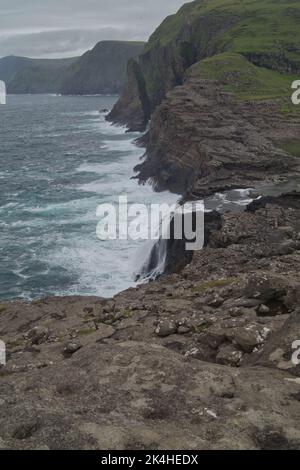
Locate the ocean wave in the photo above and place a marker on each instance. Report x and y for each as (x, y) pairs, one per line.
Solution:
(44, 225)
(121, 146)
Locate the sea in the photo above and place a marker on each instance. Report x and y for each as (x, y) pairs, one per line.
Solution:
(59, 160)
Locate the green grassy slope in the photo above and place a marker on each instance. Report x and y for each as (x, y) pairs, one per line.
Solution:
(262, 26)
(266, 32)
(246, 80)
(251, 83)
(292, 147)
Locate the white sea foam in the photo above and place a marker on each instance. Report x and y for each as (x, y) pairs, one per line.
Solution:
(121, 146)
(54, 221)
(104, 168)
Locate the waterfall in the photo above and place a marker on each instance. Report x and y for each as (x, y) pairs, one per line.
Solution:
(163, 255)
(168, 253)
(155, 259)
(154, 253)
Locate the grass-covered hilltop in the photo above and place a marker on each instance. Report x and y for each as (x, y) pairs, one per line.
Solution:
(252, 45)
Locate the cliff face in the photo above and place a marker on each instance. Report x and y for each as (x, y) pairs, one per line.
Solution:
(203, 139)
(37, 79)
(10, 65)
(255, 29)
(161, 67)
(133, 105)
(24, 75)
(200, 359)
(101, 70)
(215, 79)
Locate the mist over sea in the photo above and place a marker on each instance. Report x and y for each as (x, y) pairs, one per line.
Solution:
(60, 159)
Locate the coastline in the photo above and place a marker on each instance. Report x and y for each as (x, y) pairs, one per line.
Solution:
(180, 361)
(129, 341)
(195, 348)
(171, 362)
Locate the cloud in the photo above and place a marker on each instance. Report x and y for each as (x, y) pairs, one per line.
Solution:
(56, 28)
(59, 43)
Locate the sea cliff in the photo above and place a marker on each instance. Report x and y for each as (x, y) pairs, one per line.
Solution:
(203, 357)
(101, 70)
(214, 92)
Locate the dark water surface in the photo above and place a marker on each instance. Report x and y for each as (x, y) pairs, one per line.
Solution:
(59, 159)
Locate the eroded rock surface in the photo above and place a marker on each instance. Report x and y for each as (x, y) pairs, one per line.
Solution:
(201, 359)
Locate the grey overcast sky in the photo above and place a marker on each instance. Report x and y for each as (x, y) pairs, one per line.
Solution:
(65, 28)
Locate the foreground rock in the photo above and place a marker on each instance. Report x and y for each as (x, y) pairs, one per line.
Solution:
(196, 360)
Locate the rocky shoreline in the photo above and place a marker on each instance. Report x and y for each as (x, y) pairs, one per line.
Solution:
(199, 359)
(205, 356)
